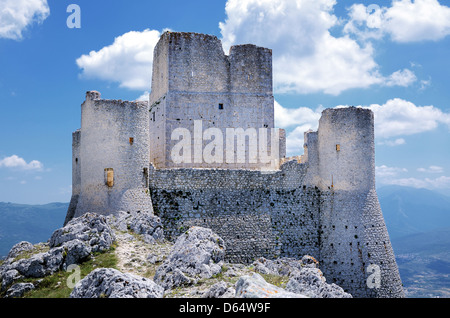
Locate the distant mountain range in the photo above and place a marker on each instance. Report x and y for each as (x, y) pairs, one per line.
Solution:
(409, 211)
(418, 222)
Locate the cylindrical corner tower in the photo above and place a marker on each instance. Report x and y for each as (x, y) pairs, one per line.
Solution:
(355, 250)
(114, 150)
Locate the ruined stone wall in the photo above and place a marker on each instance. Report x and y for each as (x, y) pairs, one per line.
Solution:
(257, 214)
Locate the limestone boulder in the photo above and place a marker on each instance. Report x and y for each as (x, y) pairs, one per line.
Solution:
(312, 283)
(219, 290)
(111, 283)
(198, 253)
(90, 228)
(18, 290)
(255, 286)
(144, 223)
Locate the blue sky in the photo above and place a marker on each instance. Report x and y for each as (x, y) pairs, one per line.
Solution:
(390, 56)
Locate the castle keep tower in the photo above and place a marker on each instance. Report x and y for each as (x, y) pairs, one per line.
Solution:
(196, 86)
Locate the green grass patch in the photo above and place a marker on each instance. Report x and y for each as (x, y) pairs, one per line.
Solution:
(56, 285)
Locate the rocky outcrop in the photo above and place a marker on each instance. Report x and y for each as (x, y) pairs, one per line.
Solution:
(255, 286)
(19, 289)
(305, 277)
(92, 229)
(312, 283)
(198, 253)
(140, 222)
(111, 283)
(72, 244)
(220, 290)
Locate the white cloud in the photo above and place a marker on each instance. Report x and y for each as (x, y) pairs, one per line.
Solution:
(128, 61)
(393, 143)
(285, 117)
(442, 182)
(431, 169)
(17, 15)
(393, 176)
(144, 96)
(402, 78)
(15, 161)
(306, 57)
(295, 140)
(398, 117)
(385, 171)
(405, 21)
(395, 118)
(300, 120)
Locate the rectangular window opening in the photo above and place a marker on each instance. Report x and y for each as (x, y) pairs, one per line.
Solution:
(220, 106)
(109, 177)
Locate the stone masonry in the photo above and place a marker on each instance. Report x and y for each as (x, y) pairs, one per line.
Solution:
(321, 204)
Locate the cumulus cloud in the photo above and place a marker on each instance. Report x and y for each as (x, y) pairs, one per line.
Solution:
(396, 176)
(307, 58)
(431, 169)
(299, 120)
(127, 61)
(442, 182)
(395, 118)
(402, 78)
(404, 21)
(398, 117)
(17, 15)
(385, 171)
(17, 162)
(286, 117)
(393, 143)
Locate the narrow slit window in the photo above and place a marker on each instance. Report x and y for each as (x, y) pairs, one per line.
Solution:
(145, 172)
(338, 147)
(131, 140)
(220, 106)
(153, 116)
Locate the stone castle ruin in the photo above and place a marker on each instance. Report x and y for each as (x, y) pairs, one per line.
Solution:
(322, 204)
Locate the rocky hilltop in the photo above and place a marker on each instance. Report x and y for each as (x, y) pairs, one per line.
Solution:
(125, 255)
